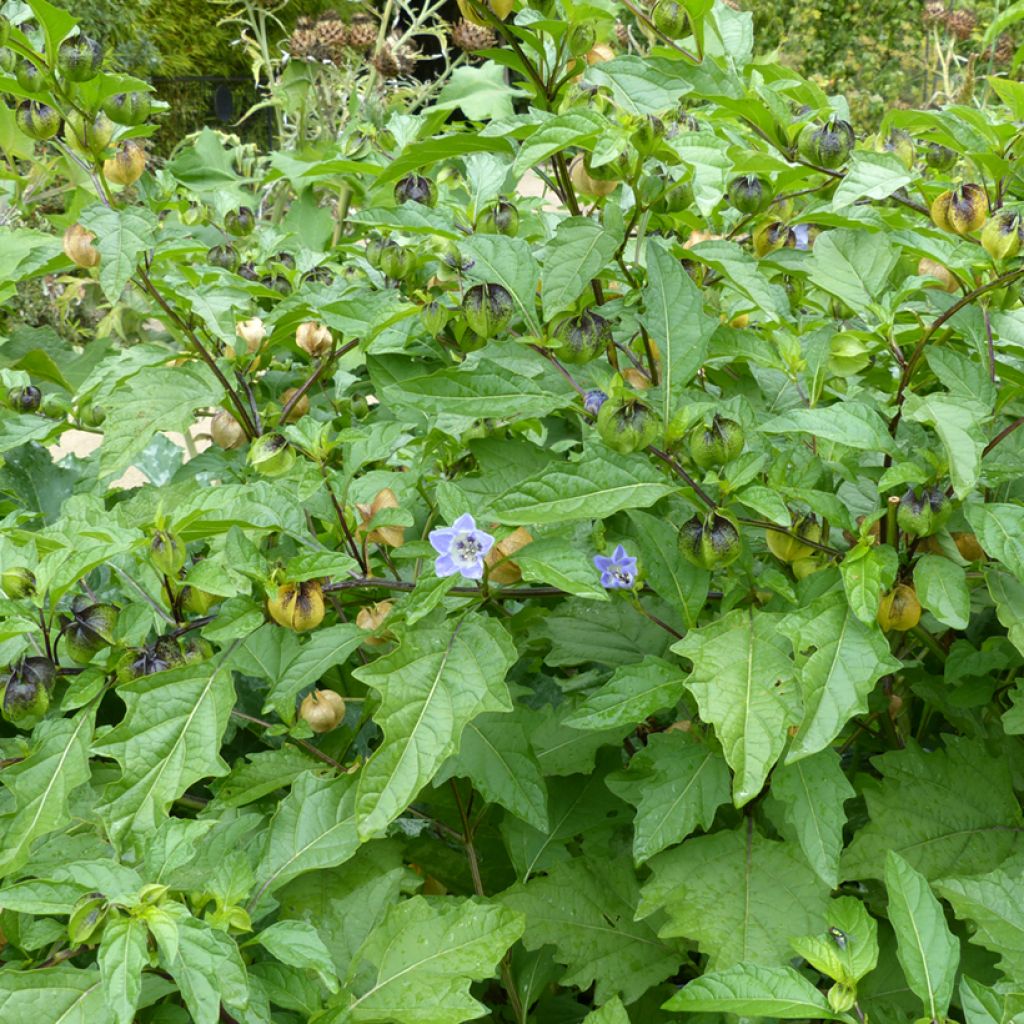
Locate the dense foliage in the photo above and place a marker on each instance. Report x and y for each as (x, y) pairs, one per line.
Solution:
(603, 597)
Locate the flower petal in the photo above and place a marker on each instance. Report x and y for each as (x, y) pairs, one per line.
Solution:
(465, 523)
(485, 540)
(619, 554)
(473, 572)
(444, 566)
(602, 563)
(441, 540)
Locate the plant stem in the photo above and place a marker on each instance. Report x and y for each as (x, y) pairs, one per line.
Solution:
(308, 747)
(343, 522)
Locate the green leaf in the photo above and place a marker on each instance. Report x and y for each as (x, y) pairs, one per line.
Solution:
(42, 784)
(481, 93)
(744, 684)
(168, 739)
(634, 692)
(840, 660)
(579, 251)
(1008, 594)
(958, 422)
(122, 235)
(55, 22)
(585, 908)
(813, 792)
(417, 965)
(753, 991)
(848, 423)
(867, 572)
(676, 783)
(853, 265)
(431, 687)
(927, 950)
(849, 949)
(510, 263)
(576, 127)
(297, 944)
(496, 756)
(60, 994)
(742, 271)
(739, 896)
(440, 147)
(156, 398)
(942, 589)
(1000, 531)
(122, 957)
(675, 318)
(641, 85)
(871, 175)
(944, 811)
(598, 485)
(613, 1012)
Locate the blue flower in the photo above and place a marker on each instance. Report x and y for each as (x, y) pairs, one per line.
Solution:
(617, 572)
(593, 400)
(461, 548)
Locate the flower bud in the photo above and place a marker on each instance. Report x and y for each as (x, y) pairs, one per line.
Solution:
(582, 38)
(79, 58)
(709, 542)
(583, 182)
(593, 400)
(167, 553)
(87, 917)
(924, 514)
(88, 133)
(239, 222)
(322, 710)
(90, 629)
(938, 157)
(582, 338)
(78, 247)
(271, 455)
(788, 548)
(487, 309)
(716, 445)
(125, 167)
(299, 409)
(38, 120)
(17, 582)
(371, 618)
(962, 209)
(750, 193)
(298, 606)
(1002, 235)
(433, 316)
(314, 339)
(414, 188)
(899, 609)
(226, 431)
(25, 399)
(127, 108)
(827, 145)
(627, 425)
(900, 144)
(252, 332)
(670, 19)
(500, 218)
(841, 998)
(27, 693)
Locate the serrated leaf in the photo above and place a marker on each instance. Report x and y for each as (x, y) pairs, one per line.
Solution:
(676, 783)
(572, 128)
(942, 589)
(751, 990)
(613, 1012)
(927, 950)
(871, 175)
(169, 738)
(297, 944)
(1000, 531)
(417, 965)
(848, 423)
(122, 957)
(641, 85)
(585, 908)
(122, 235)
(744, 684)
(579, 251)
(849, 949)
(867, 572)
(634, 692)
(61, 994)
(431, 687)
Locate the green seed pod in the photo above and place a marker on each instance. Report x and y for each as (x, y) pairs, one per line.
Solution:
(25, 399)
(715, 445)
(768, 238)
(827, 145)
(1002, 235)
(710, 542)
(675, 198)
(627, 424)
(487, 309)
(582, 37)
(90, 629)
(750, 193)
(271, 455)
(582, 338)
(670, 19)
(900, 144)
(79, 58)
(415, 188)
(167, 553)
(195, 649)
(38, 121)
(841, 998)
(8, 59)
(374, 249)
(648, 135)
(298, 606)
(433, 316)
(89, 134)
(224, 256)
(16, 582)
(27, 693)
(899, 609)
(277, 283)
(962, 209)
(788, 548)
(921, 515)
(91, 415)
(196, 601)
(240, 222)
(31, 77)
(939, 157)
(500, 218)
(160, 656)
(396, 261)
(87, 917)
(127, 108)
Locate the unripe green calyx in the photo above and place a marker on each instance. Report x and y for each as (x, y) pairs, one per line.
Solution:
(789, 547)
(900, 144)
(167, 553)
(500, 218)
(239, 222)
(79, 58)
(709, 542)
(87, 917)
(415, 188)
(433, 316)
(962, 209)
(38, 121)
(925, 513)
(396, 261)
(89, 133)
(8, 59)
(127, 108)
(271, 455)
(224, 256)
(671, 19)
(627, 424)
(1002, 235)
(90, 629)
(16, 582)
(939, 157)
(27, 692)
(750, 193)
(25, 399)
(715, 445)
(827, 145)
(582, 338)
(30, 76)
(487, 308)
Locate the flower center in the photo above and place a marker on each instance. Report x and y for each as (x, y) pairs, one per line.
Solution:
(622, 575)
(466, 549)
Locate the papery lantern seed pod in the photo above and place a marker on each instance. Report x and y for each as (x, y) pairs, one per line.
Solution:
(487, 308)
(827, 145)
(314, 339)
(322, 710)
(226, 431)
(17, 582)
(709, 542)
(415, 188)
(925, 513)
(127, 108)
(962, 209)
(79, 58)
(298, 606)
(789, 548)
(627, 424)
(750, 193)
(371, 618)
(1002, 235)
(78, 247)
(899, 609)
(25, 399)
(716, 444)
(127, 164)
(582, 338)
(271, 455)
(939, 157)
(38, 121)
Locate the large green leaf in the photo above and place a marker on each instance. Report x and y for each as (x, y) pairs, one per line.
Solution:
(853, 424)
(122, 957)
(634, 691)
(744, 682)
(959, 422)
(122, 235)
(510, 263)
(63, 995)
(436, 682)
(853, 265)
(579, 251)
(1000, 531)
(572, 128)
(942, 589)
(871, 175)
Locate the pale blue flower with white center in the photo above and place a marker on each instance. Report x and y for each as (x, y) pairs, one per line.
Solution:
(461, 548)
(617, 572)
